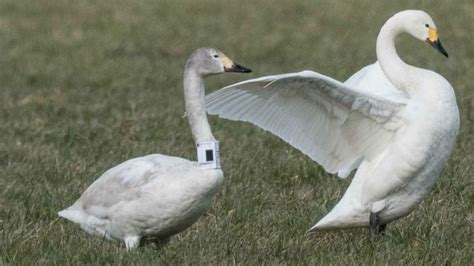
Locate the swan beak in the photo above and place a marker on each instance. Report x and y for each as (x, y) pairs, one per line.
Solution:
(237, 68)
(230, 66)
(437, 45)
(434, 41)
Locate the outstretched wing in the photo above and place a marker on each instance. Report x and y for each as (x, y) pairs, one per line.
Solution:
(335, 125)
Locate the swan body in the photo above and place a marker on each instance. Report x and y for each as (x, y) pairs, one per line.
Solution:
(124, 202)
(156, 196)
(395, 123)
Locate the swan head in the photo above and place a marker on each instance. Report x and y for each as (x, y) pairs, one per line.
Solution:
(421, 26)
(209, 61)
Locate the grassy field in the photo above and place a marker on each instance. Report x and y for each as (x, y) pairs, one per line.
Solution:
(85, 85)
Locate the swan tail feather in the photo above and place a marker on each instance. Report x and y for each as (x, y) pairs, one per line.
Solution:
(341, 220)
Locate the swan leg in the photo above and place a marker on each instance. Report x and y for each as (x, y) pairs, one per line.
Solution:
(165, 241)
(161, 242)
(157, 242)
(375, 227)
(132, 242)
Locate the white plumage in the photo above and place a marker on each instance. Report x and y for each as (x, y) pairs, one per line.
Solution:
(394, 122)
(331, 123)
(156, 196)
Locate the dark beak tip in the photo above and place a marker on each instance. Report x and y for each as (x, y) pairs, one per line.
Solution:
(444, 53)
(239, 69)
(437, 45)
(442, 50)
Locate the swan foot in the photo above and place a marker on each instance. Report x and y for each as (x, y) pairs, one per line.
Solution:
(165, 241)
(158, 243)
(375, 227)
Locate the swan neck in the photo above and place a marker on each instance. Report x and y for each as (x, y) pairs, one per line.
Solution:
(194, 91)
(396, 70)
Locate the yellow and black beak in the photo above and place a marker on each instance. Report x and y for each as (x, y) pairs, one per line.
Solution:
(434, 41)
(230, 66)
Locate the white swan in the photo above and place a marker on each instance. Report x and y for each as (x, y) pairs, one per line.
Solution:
(398, 136)
(157, 195)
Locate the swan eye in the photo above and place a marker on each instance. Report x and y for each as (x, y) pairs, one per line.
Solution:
(216, 56)
(426, 25)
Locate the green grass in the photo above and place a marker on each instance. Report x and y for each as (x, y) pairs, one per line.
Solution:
(85, 85)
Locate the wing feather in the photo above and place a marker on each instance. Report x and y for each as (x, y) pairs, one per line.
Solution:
(334, 124)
